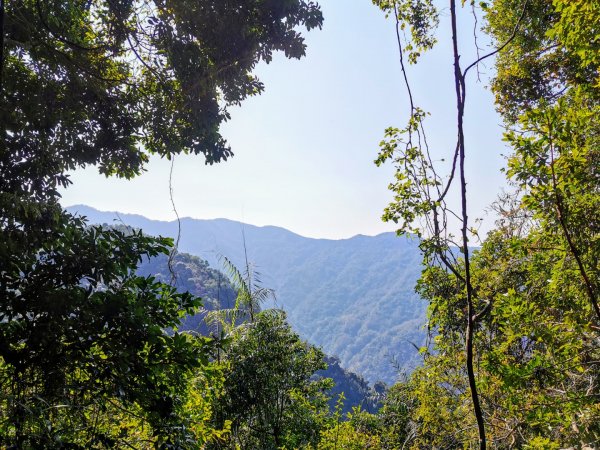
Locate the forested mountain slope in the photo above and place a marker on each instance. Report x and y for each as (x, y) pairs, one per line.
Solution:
(193, 274)
(353, 297)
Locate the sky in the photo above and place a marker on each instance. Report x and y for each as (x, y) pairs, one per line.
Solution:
(304, 149)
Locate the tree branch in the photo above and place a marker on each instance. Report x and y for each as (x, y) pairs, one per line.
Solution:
(459, 81)
(560, 213)
(503, 46)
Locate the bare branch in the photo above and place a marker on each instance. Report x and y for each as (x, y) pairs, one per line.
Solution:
(503, 46)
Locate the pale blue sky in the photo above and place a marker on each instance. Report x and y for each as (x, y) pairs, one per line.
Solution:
(304, 149)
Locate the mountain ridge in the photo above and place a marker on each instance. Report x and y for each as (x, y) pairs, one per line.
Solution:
(353, 297)
(90, 209)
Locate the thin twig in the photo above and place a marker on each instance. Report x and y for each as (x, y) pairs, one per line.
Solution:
(401, 53)
(176, 245)
(477, 48)
(503, 46)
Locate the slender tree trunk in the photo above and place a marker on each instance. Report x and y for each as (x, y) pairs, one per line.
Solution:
(560, 213)
(1, 47)
(460, 103)
(575, 251)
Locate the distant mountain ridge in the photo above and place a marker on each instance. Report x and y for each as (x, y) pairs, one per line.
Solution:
(353, 297)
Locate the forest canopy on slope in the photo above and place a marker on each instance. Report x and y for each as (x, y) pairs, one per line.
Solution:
(353, 297)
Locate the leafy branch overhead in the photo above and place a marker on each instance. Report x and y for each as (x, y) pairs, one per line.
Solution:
(106, 83)
(90, 354)
(505, 315)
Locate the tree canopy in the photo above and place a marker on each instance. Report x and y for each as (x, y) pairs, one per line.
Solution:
(86, 345)
(514, 362)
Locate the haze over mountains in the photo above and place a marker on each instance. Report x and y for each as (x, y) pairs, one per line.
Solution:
(353, 297)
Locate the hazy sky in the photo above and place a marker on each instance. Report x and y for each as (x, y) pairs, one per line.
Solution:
(304, 149)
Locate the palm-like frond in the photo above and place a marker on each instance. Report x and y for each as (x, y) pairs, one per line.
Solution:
(250, 296)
